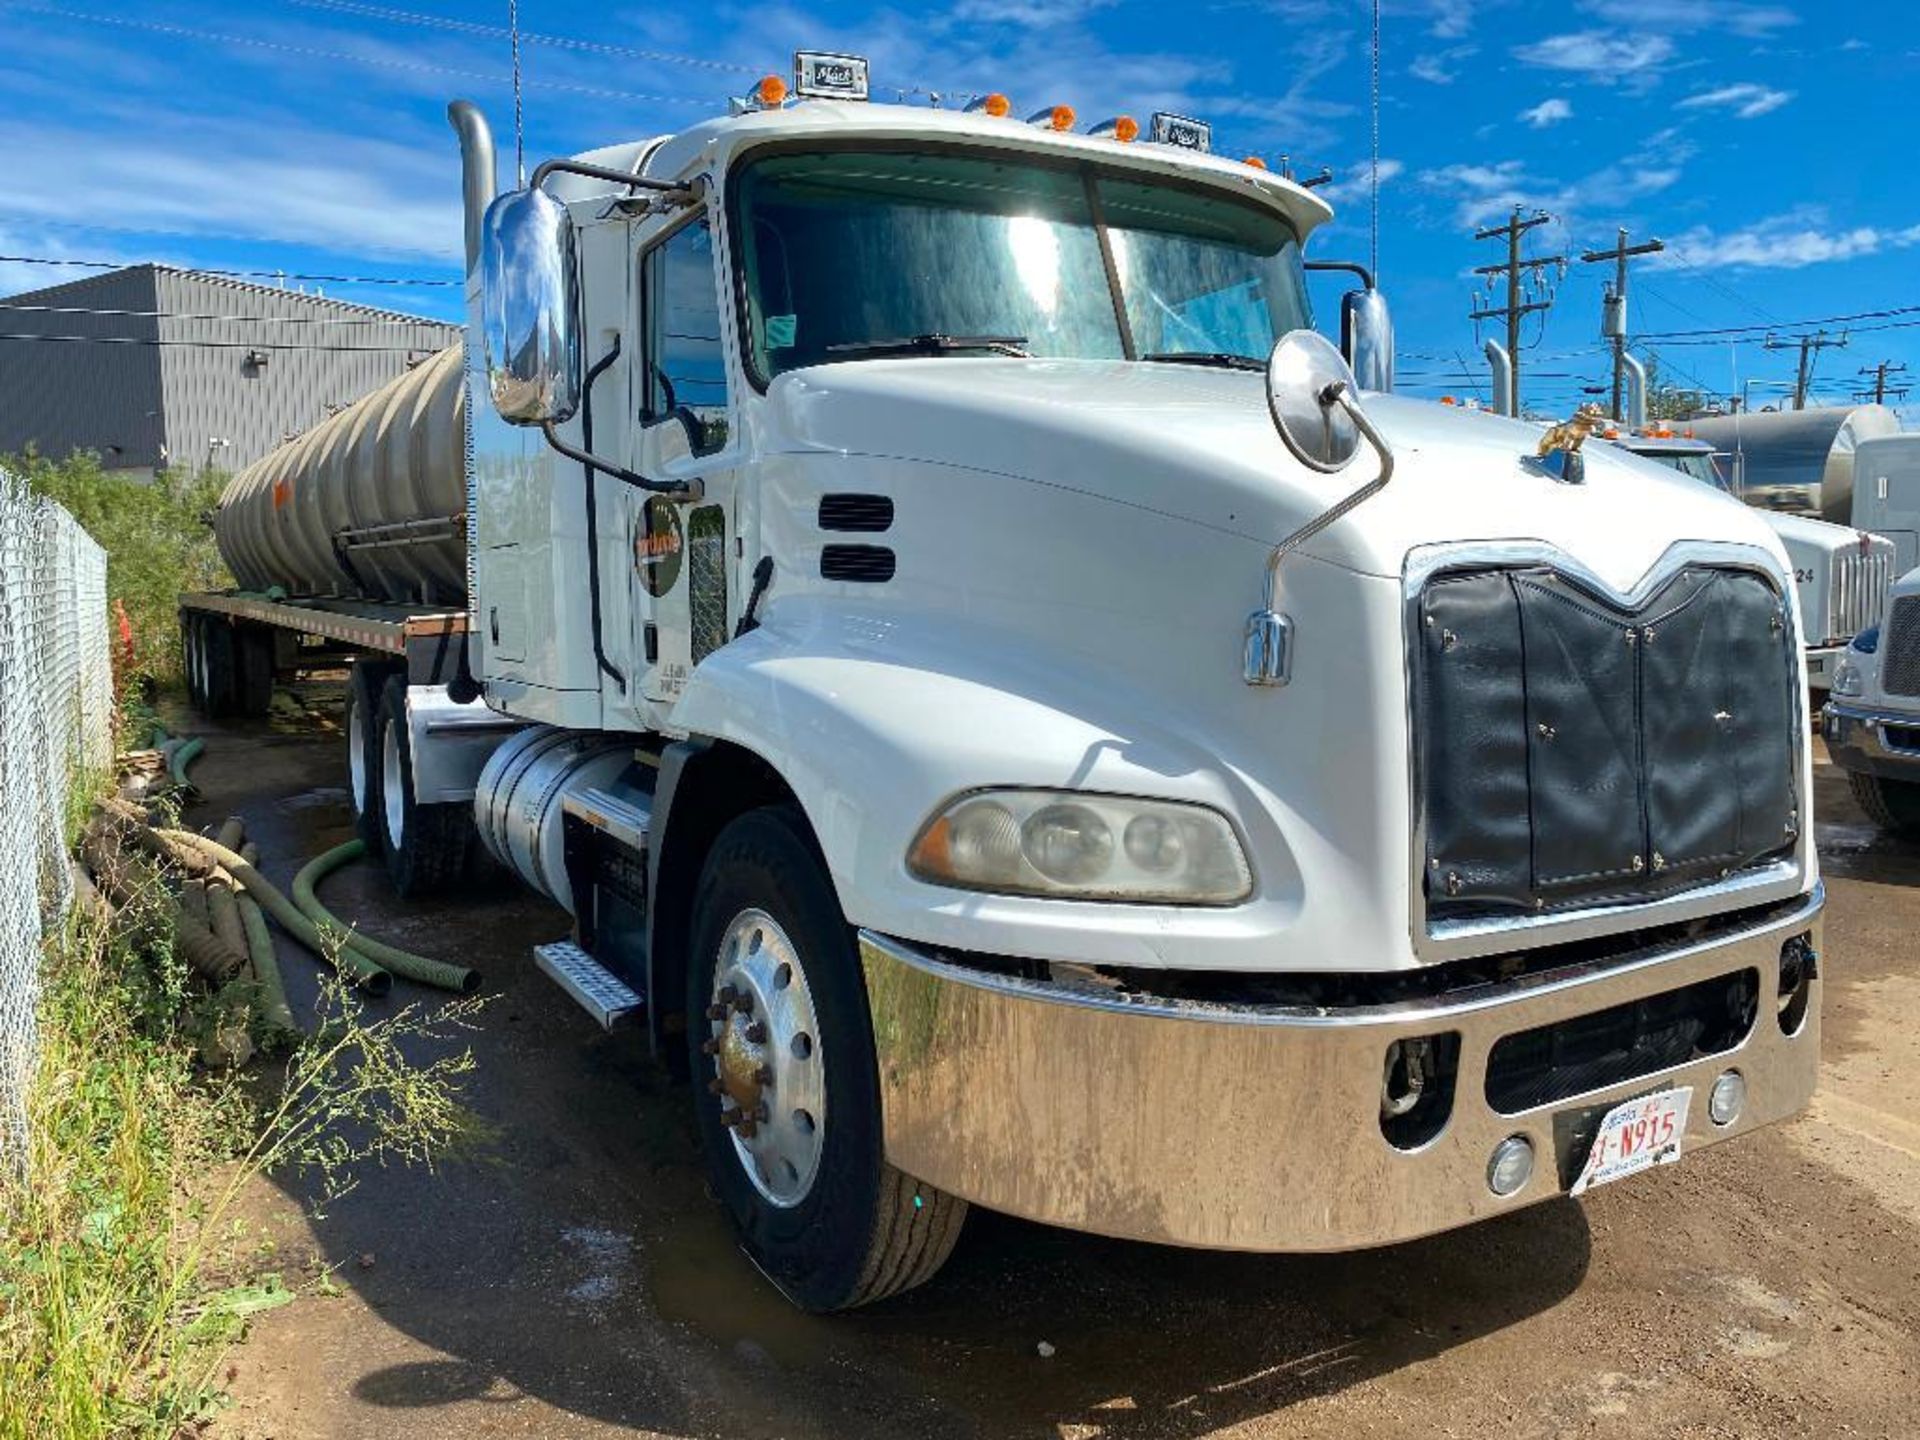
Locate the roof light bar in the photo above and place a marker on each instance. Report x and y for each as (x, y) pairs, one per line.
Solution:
(1181, 131)
(822, 75)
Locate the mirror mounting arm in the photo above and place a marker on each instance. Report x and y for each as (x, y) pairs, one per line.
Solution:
(665, 488)
(688, 191)
(1268, 650)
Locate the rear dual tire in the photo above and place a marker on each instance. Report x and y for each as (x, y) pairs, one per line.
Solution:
(427, 849)
(229, 666)
(1891, 804)
(830, 1221)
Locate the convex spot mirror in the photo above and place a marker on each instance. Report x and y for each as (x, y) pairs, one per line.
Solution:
(1306, 381)
(529, 308)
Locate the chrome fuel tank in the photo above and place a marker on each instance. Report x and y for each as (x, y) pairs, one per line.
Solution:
(369, 503)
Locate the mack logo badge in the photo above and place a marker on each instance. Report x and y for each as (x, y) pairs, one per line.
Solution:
(657, 547)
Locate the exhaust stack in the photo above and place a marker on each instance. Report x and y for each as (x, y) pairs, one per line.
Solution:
(479, 179)
(1634, 391)
(1502, 364)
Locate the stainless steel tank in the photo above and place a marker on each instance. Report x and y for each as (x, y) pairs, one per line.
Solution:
(369, 503)
(1799, 461)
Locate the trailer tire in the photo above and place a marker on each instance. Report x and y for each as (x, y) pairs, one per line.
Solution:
(253, 686)
(857, 1230)
(219, 668)
(1891, 804)
(361, 723)
(192, 662)
(426, 846)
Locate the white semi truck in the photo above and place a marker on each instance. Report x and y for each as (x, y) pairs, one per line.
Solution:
(1022, 721)
(1843, 575)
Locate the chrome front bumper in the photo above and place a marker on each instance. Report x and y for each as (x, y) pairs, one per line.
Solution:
(1258, 1128)
(1858, 740)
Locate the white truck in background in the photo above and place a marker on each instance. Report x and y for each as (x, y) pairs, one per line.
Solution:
(1843, 575)
(1023, 721)
(1872, 720)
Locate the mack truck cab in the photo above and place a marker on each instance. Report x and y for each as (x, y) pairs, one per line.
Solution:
(1023, 721)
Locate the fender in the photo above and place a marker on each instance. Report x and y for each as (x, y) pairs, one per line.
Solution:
(840, 704)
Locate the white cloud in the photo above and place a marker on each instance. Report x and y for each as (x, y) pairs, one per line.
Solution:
(1452, 18)
(1550, 111)
(1750, 18)
(1788, 242)
(1599, 55)
(1440, 67)
(1745, 99)
(1033, 14)
(1356, 182)
(336, 192)
(1486, 192)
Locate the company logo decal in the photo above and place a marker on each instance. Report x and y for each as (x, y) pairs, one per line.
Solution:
(658, 547)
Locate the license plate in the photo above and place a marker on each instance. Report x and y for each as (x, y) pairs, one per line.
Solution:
(1636, 1135)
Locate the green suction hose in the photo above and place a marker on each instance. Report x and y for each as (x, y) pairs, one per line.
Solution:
(400, 962)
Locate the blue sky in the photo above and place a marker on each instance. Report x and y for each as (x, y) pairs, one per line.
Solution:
(1769, 142)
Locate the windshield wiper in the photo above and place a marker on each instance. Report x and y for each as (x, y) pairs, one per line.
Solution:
(935, 343)
(1220, 359)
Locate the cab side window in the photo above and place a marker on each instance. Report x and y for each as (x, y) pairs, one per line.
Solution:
(686, 375)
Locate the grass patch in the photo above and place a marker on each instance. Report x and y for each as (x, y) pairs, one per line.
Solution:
(119, 1292)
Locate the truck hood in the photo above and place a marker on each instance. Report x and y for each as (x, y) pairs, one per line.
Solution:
(1198, 445)
(1802, 536)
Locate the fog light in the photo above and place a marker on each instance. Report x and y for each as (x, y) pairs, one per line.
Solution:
(1511, 1166)
(1727, 1098)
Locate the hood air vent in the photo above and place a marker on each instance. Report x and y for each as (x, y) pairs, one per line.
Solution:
(871, 564)
(864, 514)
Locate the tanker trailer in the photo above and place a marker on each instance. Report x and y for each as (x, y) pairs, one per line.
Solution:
(348, 544)
(1797, 461)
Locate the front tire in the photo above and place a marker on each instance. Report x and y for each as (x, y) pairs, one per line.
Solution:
(1891, 804)
(786, 1091)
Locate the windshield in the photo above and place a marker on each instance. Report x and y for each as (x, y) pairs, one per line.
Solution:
(850, 253)
(1694, 464)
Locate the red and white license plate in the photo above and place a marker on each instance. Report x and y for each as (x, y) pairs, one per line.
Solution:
(1636, 1135)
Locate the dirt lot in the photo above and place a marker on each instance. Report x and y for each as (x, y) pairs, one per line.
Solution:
(573, 1279)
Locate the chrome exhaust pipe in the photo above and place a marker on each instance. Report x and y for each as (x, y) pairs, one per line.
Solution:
(479, 179)
(1634, 398)
(1502, 364)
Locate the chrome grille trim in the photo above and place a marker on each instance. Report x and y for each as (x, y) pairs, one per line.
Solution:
(1857, 589)
(1900, 643)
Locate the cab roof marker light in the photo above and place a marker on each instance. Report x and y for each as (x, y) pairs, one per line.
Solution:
(1055, 117)
(1255, 162)
(1123, 128)
(769, 93)
(996, 105)
(823, 75)
(1181, 131)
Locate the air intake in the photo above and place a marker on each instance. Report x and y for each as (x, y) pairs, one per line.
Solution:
(869, 564)
(863, 514)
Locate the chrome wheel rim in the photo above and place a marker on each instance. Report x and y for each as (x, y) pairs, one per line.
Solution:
(357, 756)
(393, 788)
(764, 1047)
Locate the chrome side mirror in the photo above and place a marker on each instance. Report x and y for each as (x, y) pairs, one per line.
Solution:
(1310, 395)
(529, 307)
(1366, 335)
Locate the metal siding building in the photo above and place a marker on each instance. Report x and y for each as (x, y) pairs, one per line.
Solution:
(204, 360)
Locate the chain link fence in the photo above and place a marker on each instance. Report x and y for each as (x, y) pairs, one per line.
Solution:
(56, 723)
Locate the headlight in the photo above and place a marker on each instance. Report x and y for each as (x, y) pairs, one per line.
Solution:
(1846, 677)
(1083, 847)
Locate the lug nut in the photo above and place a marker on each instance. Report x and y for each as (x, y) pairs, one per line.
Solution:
(757, 1032)
(763, 1076)
(743, 1003)
(727, 994)
(709, 1047)
(716, 1012)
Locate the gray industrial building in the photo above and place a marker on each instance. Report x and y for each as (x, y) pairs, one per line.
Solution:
(153, 366)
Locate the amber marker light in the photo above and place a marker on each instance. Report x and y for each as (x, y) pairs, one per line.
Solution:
(996, 105)
(1058, 117)
(1255, 161)
(771, 92)
(1126, 129)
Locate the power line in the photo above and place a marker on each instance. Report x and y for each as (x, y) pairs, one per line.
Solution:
(231, 274)
(1514, 268)
(1885, 314)
(309, 52)
(1613, 307)
(474, 27)
(1810, 346)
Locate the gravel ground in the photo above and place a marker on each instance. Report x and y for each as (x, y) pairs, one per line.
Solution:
(572, 1278)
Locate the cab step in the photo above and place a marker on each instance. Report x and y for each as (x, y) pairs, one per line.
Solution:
(594, 988)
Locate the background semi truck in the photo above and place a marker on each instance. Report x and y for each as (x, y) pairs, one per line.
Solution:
(1021, 720)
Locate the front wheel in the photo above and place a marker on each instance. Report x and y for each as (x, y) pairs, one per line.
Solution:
(786, 1092)
(1891, 804)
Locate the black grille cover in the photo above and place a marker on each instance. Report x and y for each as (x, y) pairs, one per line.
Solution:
(872, 564)
(1577, 753)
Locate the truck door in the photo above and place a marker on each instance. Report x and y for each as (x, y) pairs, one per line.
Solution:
(684, 567)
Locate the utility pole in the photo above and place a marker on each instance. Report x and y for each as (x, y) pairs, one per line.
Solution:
(1613, 311)
(1809, 345)
(1880, 373)
(1515, 269)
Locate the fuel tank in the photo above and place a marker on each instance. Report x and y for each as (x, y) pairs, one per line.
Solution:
(370, 503)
